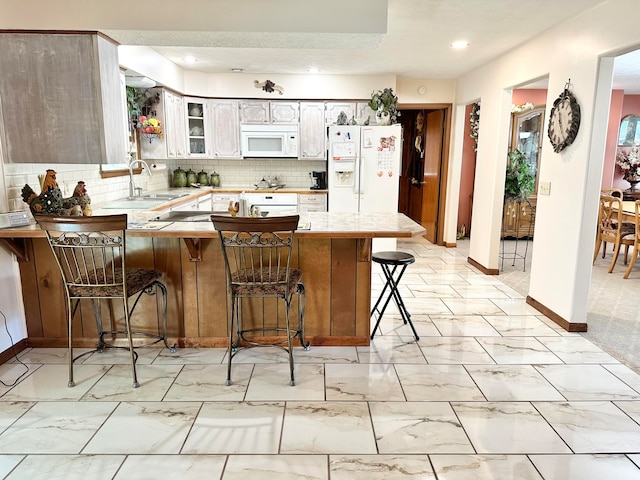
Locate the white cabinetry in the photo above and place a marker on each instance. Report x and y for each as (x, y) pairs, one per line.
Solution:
(220, 201)
(256, 111)
(363, 112)
(197, 127)
(268, 111)
(284, 112)
(313, 132)
(335, 108)
(312, 202)
(174, 125)
(225, 126)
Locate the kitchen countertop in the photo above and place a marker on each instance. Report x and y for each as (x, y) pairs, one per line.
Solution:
(252, 190)
(322, 224)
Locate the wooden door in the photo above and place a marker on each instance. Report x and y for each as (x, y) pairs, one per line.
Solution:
(433, 145)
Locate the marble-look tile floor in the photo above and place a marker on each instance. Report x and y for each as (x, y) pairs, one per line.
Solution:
(492, 390)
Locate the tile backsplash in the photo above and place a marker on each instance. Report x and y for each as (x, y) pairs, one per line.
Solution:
(244, 173)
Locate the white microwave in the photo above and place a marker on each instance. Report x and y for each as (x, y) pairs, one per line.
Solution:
(269, 141)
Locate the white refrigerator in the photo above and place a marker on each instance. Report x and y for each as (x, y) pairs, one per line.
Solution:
(363, 171)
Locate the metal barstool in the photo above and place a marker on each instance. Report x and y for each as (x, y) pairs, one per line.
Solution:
(387, 260)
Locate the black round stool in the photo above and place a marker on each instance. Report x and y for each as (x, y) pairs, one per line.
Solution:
(386, 261)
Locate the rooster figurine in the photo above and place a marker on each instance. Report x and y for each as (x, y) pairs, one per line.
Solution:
(50, 199)
(79, 203)
(234, 208)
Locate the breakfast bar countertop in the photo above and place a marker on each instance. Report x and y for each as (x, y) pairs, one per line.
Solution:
(322, 224)
(144, 222)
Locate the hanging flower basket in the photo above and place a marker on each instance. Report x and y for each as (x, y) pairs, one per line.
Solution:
(149, 128)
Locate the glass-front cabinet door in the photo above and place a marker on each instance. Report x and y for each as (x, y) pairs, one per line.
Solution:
(196, 125)
(526, 135)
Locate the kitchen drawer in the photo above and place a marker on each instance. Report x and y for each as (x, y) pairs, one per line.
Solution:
(315, 198)
(224, 198)
(306, 207)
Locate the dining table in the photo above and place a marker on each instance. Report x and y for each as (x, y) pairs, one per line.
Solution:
(629, 211)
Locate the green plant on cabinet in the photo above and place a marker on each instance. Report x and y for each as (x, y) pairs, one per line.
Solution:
(520, 176)
(385, 101)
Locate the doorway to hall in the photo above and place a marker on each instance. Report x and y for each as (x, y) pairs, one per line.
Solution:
(426, 132)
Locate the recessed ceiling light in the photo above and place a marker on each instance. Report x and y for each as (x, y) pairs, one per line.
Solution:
(190, 59)
(237, 70)
(459, 44)
(313, 69)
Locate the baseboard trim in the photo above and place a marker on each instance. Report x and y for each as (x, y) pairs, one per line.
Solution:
(450, 245)
(10, 352)
(566, 324)
(482, 268)
(205, 342)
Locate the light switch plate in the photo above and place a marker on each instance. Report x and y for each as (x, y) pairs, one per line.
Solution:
(544, 188)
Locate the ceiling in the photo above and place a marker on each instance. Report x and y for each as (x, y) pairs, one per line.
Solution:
(350, 37)
(416, 42)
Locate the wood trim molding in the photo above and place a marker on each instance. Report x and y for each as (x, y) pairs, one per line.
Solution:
(10, 352)
(566, 324)
(482, 268)
(450, 245)
(196, 342)
(364, 249)
(193, 245)
(17, 246)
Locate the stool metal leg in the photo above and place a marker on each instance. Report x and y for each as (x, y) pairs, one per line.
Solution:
(392, 283)
(389, 277)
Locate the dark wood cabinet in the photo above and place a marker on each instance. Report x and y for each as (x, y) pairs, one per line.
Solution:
(518, 218)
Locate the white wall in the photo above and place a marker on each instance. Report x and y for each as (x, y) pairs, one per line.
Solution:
(565, 223)
(10, 287)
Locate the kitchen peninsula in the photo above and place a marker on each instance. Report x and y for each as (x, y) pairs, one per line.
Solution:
(334, 255)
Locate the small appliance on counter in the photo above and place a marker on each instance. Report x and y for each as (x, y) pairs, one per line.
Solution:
(318, 180)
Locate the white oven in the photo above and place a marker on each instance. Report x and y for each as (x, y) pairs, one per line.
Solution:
(272, 204)
(269, 140)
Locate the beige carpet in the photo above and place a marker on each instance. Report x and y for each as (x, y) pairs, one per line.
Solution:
(613, 315)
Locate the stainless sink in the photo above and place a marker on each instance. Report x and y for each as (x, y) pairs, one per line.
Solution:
(163, 196)
(145, 201)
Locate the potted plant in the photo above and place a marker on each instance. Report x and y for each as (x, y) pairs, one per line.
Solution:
(140, 102)
(520, 176)
(385, 104)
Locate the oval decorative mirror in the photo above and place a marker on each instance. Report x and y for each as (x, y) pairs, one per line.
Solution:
(629, 134)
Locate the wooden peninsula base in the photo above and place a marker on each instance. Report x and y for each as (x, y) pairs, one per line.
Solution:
(336, 265)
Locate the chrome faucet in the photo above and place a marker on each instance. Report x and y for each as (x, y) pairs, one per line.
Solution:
(132, 183)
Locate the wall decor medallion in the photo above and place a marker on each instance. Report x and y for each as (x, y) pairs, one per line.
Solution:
(564, 120)
(268, 86)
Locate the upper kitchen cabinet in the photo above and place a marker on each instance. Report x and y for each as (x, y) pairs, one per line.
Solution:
(175, 125)
(284, 112)
(62, 99)
(198, 136)
(334, 109)
(225, 128)
(268, 112)
(313, 131)
(365, 113)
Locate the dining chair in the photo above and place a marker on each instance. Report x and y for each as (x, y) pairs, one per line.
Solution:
(628, 227)
(610, 229)
(90, 253)
(636, 241)
(257, 256)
